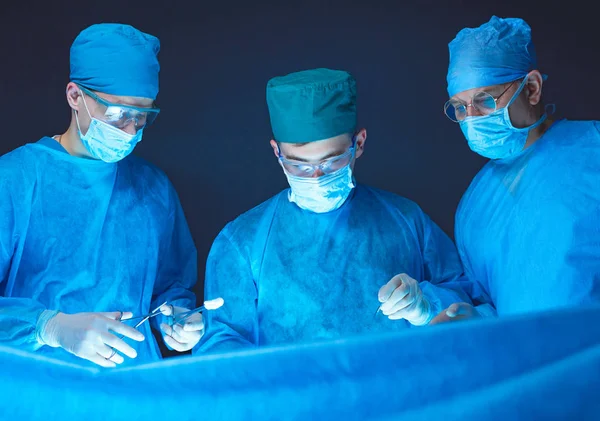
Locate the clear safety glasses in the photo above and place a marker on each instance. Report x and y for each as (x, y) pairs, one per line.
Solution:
(121, 115)
(327, 166)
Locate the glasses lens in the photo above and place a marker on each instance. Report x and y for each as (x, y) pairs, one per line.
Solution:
(337, 162)
(455, 111)
(121, 117)
(297, 169)
(484, 103)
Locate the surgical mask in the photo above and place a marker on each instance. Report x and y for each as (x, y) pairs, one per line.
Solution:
(107, 142)
(321, 194)
(494, 136)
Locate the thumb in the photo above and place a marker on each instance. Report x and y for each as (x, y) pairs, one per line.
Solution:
(455, 310)
(386, 291)
(167, 309)
(118, 315)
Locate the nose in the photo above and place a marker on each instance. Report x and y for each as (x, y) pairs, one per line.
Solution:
(130, 128)
(472, 111)
(318, 173)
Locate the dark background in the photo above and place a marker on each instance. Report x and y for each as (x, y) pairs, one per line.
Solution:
(212, 135)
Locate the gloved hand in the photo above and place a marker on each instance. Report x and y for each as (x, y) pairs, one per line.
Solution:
(185, 335)
(455, 313)
(89, 336)
(402, 298)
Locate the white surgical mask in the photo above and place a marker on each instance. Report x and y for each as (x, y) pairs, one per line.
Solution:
(321, 194)
(107, 142)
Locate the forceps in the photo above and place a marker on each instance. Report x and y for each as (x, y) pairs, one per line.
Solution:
(208, 305)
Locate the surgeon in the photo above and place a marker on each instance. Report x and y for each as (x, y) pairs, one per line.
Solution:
(319, 259)
(528, 227)
(89, 234)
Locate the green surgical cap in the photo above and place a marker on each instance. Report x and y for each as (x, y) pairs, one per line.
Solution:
(312, 105)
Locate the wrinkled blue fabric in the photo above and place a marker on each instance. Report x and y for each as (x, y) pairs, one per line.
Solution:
(81, 235)
(116, 59)
(499, 51)
(535, 367)
(289, 275)
(528, 227)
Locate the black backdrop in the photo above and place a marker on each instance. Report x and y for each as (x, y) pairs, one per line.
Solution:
(212, 135)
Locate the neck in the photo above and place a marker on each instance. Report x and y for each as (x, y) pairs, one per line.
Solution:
(536, 133)
(71, 141)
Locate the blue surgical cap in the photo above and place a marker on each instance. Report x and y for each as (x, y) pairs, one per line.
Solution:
(116, 59)
(312, 105)
(497, 52)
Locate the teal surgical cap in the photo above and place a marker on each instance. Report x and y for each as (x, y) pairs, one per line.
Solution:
(312, 105)
(497, 52)
(116, 59)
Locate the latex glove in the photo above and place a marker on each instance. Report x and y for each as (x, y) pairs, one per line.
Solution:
(90, 336)
(402, 298)
(455, 313)
(185, 335)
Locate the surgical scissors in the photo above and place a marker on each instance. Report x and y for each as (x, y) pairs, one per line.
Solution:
(153, 313)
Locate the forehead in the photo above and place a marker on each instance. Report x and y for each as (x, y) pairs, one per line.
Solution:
(468, 94)
(319, 149)
(127, 100)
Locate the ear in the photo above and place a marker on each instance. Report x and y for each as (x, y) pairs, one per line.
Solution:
(533, 88)
(73, 96)
(361, 138)
(275, 148)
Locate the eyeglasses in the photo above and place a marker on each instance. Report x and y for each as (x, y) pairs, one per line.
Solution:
(483, 102)
(121, 115)
(327, 166)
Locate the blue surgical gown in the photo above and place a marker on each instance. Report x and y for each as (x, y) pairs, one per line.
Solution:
(528, 227)
(80, 235)
(290, 275)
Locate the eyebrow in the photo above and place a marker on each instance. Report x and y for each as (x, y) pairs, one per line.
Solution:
(121, 102)
(329, 155)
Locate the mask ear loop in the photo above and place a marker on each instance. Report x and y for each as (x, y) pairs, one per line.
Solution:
(550, 109)
(77, 112)
(518, 92)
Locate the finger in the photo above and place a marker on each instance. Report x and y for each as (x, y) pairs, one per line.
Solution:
(97, 359)
(388, 289)
(403, 304)
(105, 351)
(398, 294)
(402, 314)
(173, 331)
(125, 330)
(408, 300)
(186, 337)
(117, 358)
(453, 310)
(166, 309)
(177, 346)
(110, 354)
(194, 323)
(440, 318)
(119, 344)
(118, 315)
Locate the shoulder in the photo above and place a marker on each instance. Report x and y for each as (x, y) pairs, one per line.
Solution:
(244, 227)
(389, 200)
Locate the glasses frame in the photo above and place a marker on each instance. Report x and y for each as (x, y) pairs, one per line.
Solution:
(448, 103)
(323, 165)
(102, 101)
